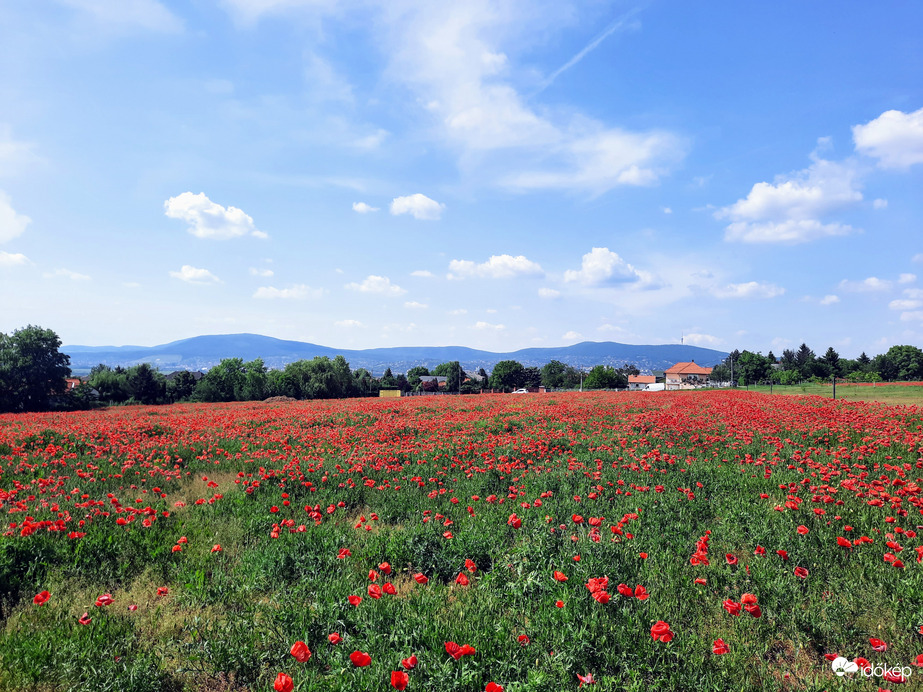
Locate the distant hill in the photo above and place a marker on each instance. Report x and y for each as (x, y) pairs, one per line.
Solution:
(202, 352)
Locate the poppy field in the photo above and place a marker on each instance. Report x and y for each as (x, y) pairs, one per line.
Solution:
(719, 540)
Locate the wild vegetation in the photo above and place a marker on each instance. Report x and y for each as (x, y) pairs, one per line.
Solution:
(719, 540)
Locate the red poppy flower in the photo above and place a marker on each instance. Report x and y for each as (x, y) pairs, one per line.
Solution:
(641, 593)
(586, 679)
(360, 659)
(560, 576)
(162, 590)
(878, 645)
(104, 600)
(643, 556)
(760, 550)
(373, 575)
(625, 590)
(514, 521)
(470, 566)
(456, 651)
(753, 609)
(176, 549)
(559, 604)
(334, 638)
(525, 641)
(374, 591)
(660, 631)
(389, 589)
(385, 567)
(343, 554)
(783, 554)
(399, 679)
(843, 542)
(730, 559)
(462, 579)
(862, 662)
(700, 580)
(420, 578)
(40, 598)
(801, 572)
(718, 647)
(301, 652)
(493, 687)
(894, 675)
(85, 619)
(354, 600)
(803, 530)
(919, 661)
(732, 607)
(283, 683)
(409, 663)
(748, 599)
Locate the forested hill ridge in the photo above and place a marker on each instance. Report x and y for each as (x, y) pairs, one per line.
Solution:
(202, 352)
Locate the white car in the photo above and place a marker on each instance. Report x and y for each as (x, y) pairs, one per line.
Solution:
(520, 391)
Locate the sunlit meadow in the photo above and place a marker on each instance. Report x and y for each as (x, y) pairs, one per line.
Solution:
(611, 541)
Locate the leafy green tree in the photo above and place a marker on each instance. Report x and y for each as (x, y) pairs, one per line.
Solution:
(553, 374)
(256, 381)
(145, 385)
(788, 360)
(180, 386)
(531, 378)
(752, 368)
(223, 382)
(366, 385)
(400, 381)
(112, 385)
(453, 373)
(414, 374)
(507, 374)
(388, 381)
(904, 363)
(32, 370)
(605, 377)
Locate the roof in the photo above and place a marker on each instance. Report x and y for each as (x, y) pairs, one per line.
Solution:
(641, 379)
(688, 369)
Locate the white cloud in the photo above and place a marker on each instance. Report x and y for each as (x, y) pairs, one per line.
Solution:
(418, 206)
(602, 266)
(872, 283)
(209, 220)
(363, 208)
(414, 305)
(497, 267)
(905, 304)
(423, 273)
(571, 336)
(906, 278)
(830, 300)
(458, 311)
(894, 138)
(789, 210)
(348, 323)
(548, 293)
(913, 316)
(917, 258)
(12, 224)
(880, 203)
(67, 274)
(705, 340)
(751, 289)
(377, 284)
(296, 292)
(489, 326)
(371, 141)
(9, 259)
(265, 273)
(667, 210)
(195, 275)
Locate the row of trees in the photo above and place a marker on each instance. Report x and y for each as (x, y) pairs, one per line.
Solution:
(899, 363)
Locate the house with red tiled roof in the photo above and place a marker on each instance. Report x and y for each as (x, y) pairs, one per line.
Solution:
(686, 376)
(637, 382)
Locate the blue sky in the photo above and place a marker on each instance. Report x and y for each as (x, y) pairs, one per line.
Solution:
(494, 174)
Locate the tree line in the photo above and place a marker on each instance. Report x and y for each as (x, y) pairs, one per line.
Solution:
(33, 372)
(898, 364)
